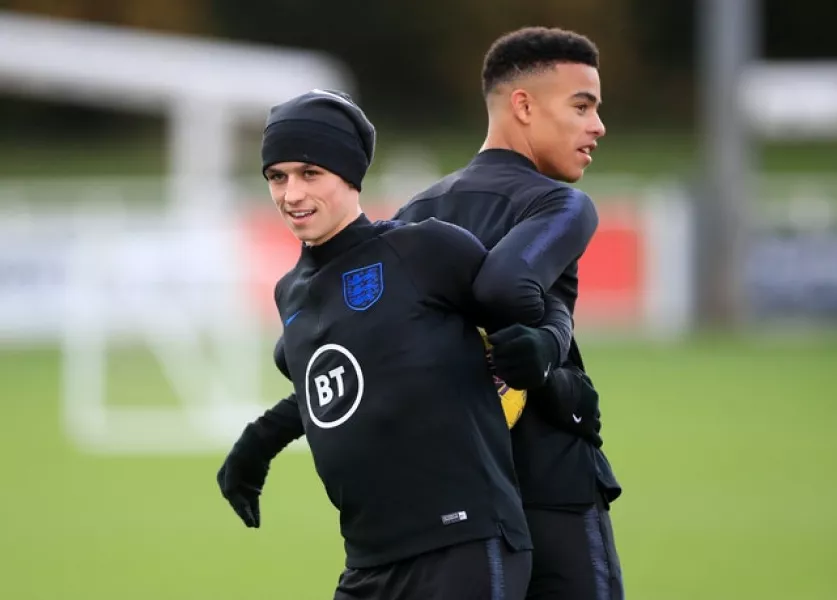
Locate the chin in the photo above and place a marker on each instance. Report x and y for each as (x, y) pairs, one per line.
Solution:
(569, 176)
(308, 238)
(573, 173)
(301, 234)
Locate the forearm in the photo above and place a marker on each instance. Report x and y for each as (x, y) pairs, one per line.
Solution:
(559, 322)
(277, 427)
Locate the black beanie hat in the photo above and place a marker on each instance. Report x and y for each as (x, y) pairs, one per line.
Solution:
(324, 128)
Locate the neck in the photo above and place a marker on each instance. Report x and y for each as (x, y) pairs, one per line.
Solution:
(341, 242)
(500, 137)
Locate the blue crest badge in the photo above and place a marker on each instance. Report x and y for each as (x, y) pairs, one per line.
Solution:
(363, 287)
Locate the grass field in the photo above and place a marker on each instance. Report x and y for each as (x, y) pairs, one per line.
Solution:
(725, 447)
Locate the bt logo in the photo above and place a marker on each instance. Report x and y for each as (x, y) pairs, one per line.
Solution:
(334, 376)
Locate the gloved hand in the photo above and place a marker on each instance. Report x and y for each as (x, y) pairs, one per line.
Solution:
(569, 401)
(243, 474)
(523, 356)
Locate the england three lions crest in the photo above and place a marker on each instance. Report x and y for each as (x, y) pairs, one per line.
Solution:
(363, 287)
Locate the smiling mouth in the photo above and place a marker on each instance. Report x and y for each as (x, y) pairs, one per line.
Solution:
(299, 215)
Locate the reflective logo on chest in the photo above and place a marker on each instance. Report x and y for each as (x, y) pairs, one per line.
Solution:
(333, 386)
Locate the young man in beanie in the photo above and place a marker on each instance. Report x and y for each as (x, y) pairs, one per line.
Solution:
(391, 386)
(542, 91)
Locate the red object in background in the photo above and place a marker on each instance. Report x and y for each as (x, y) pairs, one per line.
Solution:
(611, 278)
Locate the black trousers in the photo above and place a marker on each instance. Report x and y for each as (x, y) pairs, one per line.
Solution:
(575, 554)
(481, 570)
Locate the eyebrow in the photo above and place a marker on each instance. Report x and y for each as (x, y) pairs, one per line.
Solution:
(587, 96)
(301, 167)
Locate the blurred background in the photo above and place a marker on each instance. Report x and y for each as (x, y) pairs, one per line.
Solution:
(139, 249)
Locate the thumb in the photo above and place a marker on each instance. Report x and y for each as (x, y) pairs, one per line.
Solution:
(257, 516)
(242, 507)
(503, 336)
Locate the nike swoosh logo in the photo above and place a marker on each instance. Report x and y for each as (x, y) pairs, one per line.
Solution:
(576, 419)
(292, 317)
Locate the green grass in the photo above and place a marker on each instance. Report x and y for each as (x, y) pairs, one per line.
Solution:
(725, 447)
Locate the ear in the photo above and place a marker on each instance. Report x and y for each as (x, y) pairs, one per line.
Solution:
(521, 105)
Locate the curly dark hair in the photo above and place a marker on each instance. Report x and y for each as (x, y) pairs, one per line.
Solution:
(532, 49)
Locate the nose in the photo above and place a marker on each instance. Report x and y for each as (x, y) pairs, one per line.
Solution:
(294, 190)
(597, 127)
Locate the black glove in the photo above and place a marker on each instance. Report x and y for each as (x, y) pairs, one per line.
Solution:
(243, 474)
(523, 356)
(569, 401)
